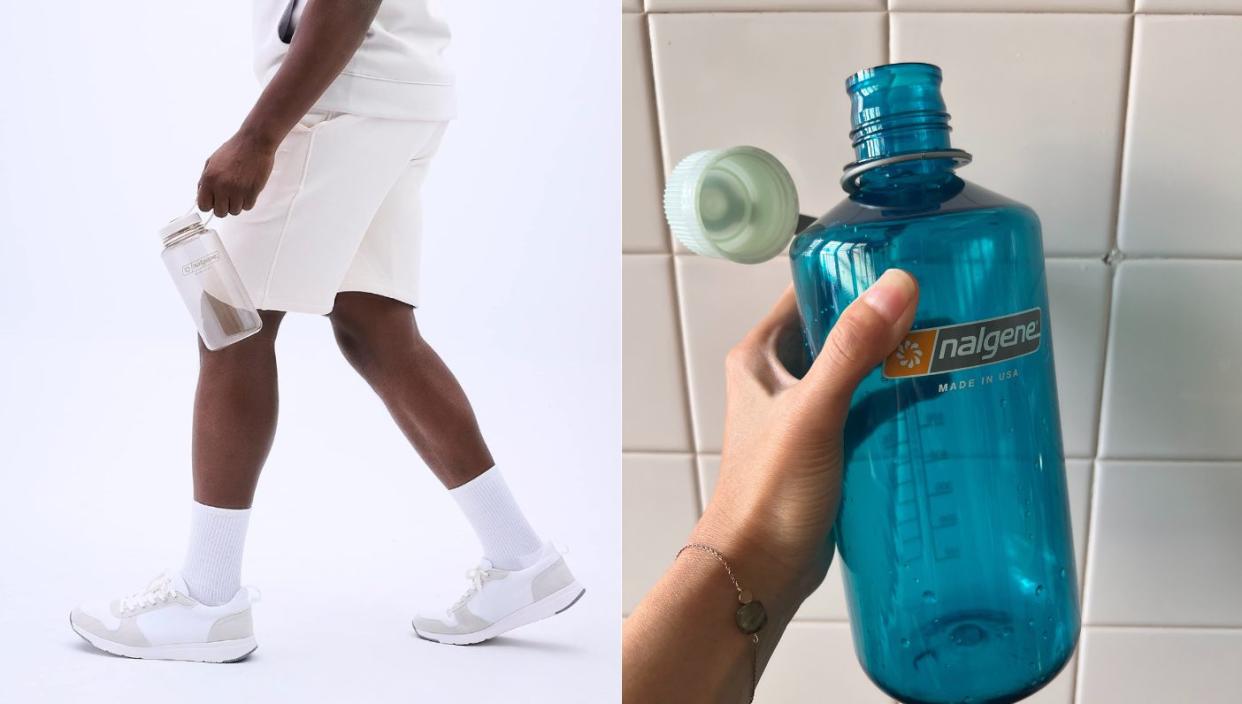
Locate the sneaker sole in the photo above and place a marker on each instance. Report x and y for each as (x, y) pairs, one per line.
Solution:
(547, 607)
(217, 652)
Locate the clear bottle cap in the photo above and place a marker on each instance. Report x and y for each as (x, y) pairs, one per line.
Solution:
(738, 204)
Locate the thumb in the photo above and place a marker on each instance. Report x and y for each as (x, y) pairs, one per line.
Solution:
(870, 328)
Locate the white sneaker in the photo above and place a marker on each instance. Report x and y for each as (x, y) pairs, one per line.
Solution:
(501, 600)
(163, 622)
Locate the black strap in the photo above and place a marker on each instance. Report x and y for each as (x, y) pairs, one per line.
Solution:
(285, 30)
(805, 221)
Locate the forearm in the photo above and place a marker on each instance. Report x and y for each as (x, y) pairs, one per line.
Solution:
(682, 644)
(329, 33)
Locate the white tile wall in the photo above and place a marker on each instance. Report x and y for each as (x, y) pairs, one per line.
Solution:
(1057, 113)
(659, 491)
(775, 80)
(1010, 5)
(1162, 539)
(652, 354)
(764, 5)
(1173, 379)
(1122, 129)
(642, 224)
(1061, 689)
(719, 303)
(1133, 665)
(1179, 6)
(797, 671)
(1179, 196)
(1078, 293)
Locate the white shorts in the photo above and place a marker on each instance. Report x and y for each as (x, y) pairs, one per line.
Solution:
(341, 212)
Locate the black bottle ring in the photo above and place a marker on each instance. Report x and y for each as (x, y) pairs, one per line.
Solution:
(849, 178)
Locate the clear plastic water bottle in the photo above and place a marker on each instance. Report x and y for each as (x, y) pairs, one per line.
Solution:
(954, 531)
(208, 282)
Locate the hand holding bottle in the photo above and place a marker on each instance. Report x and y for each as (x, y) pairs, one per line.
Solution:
(780, 474)
(235, 174)
(774, 504)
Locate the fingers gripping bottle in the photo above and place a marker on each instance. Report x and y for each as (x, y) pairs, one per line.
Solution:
(953, 531)
(208, 283)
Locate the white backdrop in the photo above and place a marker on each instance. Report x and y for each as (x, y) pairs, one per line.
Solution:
(108, 112)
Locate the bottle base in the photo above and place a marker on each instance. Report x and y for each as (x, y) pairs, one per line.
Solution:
(1011, 665)
(219, 344)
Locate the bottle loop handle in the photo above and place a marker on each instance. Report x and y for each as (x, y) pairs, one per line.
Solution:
(854, 170)
(210, 214)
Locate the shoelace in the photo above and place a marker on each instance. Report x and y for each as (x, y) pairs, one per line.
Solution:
(477, 576)
(159, 591)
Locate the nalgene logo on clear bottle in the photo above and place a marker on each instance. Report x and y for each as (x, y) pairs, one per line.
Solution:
(952, 347)
(200, 265)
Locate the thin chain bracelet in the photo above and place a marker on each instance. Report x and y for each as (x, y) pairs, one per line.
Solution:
(750, 616)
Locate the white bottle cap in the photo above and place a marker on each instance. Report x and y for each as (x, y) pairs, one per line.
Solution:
(739, 204)
(191, 221)
(176, 225)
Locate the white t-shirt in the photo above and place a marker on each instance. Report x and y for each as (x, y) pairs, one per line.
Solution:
(398, 72)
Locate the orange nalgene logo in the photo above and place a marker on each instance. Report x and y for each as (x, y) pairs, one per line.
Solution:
(965, 345)
(913, 356)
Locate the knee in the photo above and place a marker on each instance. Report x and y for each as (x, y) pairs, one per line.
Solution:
(355, 345)
(372, 332)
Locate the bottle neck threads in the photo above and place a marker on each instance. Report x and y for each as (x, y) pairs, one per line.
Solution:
(897, 109)
(182, 235)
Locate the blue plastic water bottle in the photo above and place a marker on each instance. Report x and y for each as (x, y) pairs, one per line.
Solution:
(954, 531)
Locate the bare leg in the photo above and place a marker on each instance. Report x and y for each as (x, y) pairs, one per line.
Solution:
(380, 339)
(235, 416)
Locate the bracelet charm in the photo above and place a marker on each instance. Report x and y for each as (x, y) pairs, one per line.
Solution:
(750, 616)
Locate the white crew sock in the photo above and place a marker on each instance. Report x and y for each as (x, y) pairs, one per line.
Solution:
(508, 540)
(212, 568)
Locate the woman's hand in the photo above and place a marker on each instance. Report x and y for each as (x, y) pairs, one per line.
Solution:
(780, 474)
(774, 505)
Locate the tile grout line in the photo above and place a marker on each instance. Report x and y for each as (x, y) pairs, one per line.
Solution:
(659, 453)
(1093, 493)
(1079, 458)
(650, 88)
(856, 11)
(888, 30)
(1127, 108)
(678, 312)
(1084, 258)
(700, 501)
(1162, 627)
